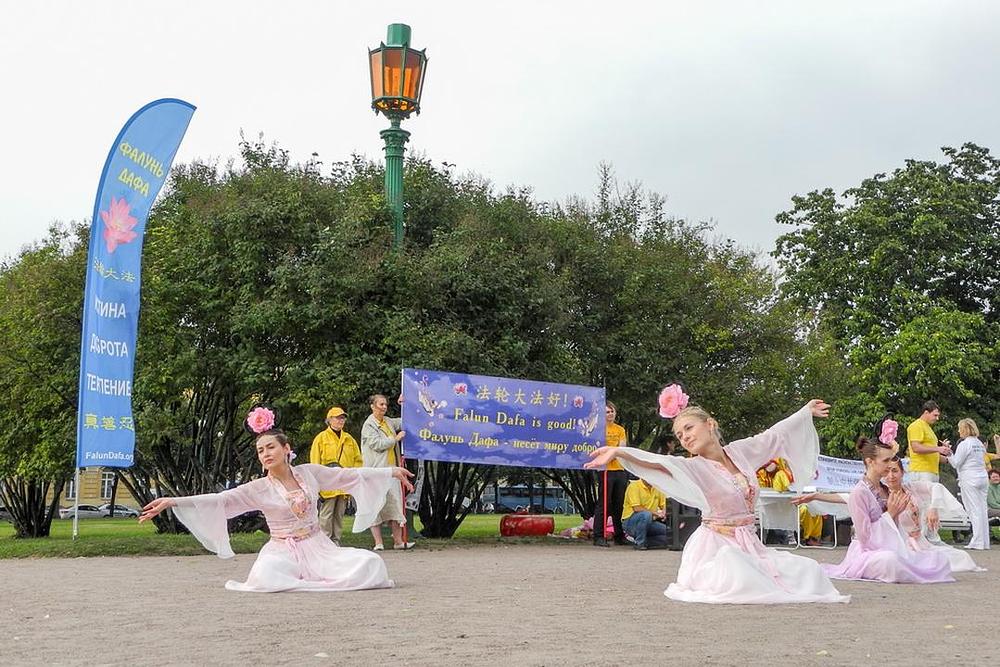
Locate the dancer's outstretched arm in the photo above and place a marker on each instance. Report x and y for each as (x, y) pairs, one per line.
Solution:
(602, 456)
(673, 475)
(825, 497)
(205, 515)
(793, 439)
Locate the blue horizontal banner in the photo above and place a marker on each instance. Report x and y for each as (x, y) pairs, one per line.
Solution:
(500, 421)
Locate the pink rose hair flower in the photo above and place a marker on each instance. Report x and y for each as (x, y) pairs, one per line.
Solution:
(888, 434)
(260, 420)
(672, 401)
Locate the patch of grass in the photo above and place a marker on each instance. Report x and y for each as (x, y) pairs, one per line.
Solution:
(127, 537)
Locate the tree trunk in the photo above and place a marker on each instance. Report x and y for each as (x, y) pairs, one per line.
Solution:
(579, 485)
(446, 485)
(114, 494)
(25, 500)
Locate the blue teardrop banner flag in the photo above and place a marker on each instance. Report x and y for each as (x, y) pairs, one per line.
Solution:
(136, 169)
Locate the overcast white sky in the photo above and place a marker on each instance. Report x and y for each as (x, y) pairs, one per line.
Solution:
(727, 108)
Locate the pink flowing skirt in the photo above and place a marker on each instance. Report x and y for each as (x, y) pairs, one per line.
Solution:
(313, 564)
(739, 569)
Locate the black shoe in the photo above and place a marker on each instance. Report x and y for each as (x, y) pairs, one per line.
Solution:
(640, 547)
(621, 541)
(601, 542)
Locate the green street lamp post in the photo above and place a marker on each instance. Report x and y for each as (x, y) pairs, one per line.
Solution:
(397, 75)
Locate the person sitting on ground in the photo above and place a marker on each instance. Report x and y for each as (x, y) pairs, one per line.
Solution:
(724, 561)
(878, 551)
(926, 501)
(993, 495)
(643, 513)
(299, 556)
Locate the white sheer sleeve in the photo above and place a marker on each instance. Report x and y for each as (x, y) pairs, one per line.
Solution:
(948, 507)
(794, 439)
(368, 486)
(669, 474)
(205, 516)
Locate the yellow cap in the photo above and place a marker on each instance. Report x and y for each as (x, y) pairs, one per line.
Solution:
(335, 412)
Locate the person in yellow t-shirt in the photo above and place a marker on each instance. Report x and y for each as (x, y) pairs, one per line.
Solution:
(925, 452)
(644, 510)
(611, 483)
(336, 448)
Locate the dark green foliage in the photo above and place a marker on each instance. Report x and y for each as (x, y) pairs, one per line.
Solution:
(902, 274)
(276, 282)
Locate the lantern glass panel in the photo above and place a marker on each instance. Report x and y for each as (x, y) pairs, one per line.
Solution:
(376, 64)
(412, 75)
(392, 72)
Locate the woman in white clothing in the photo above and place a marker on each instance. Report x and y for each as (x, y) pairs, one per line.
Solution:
(969, 461)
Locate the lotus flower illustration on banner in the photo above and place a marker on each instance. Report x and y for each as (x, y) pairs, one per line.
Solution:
(118, 224)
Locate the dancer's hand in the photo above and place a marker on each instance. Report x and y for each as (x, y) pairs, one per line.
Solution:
(819, 408)
(945, 448)
(898, 501)
(155, 507)
(399, 435)
(403, 475)
(933, 520)
(601, 457)
(803, 499)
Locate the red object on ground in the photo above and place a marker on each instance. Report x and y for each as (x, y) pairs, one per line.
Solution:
(512, 525)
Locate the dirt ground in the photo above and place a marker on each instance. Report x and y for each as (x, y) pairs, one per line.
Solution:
(558, 604)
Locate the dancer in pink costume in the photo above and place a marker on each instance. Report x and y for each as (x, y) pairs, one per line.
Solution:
(879, 551)
(926, 501)
(299, 556)
(724, 560)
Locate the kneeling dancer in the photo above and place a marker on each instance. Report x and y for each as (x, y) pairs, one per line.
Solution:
(724, 560)
(299, 556)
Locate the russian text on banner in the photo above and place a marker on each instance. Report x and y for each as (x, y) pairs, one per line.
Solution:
(133, 174)
(500, 421)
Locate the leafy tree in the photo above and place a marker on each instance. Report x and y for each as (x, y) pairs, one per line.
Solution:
(901, 271)
(40, 311)
(272, 282)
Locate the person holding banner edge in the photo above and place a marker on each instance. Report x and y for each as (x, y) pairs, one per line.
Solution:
(724, 560)
(299, 556)
(379, 437)
(612, 484)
